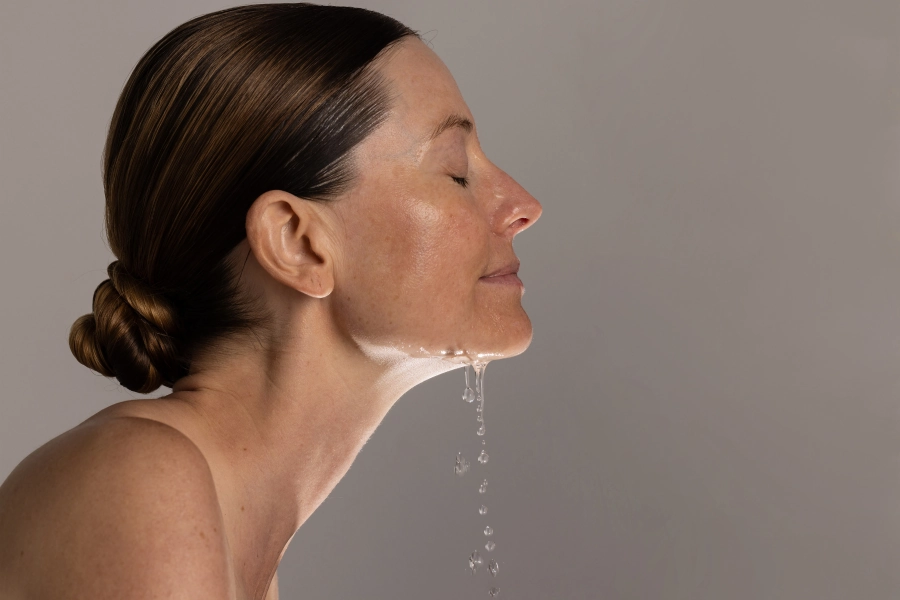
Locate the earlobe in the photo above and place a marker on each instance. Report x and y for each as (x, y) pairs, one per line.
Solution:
(287, 237)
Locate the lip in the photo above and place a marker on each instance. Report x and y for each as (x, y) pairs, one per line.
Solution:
(507, 279)
(509, 269)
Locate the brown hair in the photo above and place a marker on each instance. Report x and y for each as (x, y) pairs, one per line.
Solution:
(222, 109)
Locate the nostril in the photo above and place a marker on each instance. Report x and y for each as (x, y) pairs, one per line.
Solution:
(519, 223)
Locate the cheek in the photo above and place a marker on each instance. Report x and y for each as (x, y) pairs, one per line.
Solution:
(436, 255)
(442, 241)
(416, 265)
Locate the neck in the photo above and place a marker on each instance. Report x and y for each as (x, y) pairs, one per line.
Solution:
(280, 428)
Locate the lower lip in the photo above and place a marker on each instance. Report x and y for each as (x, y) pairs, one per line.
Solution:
(511, 279)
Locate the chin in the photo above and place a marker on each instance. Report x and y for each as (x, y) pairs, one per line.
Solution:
(521, 345)
(494, 343)
(512, 340)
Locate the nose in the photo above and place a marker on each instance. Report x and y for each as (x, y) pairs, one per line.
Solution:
(516, 209)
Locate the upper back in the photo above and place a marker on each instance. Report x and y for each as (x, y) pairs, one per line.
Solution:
(118, 507)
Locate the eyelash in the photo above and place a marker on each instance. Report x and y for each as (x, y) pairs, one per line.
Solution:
(463, 181)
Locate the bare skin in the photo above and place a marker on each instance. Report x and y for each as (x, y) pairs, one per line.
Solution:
(371, 294)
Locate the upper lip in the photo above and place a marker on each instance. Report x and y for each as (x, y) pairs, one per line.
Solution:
(508, 269)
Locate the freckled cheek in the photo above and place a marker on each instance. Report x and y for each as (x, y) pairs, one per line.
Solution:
(414, 242)
(430, 253)
(450, 250)
(383, 259)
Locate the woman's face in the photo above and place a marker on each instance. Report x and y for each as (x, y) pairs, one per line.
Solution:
(417, 241)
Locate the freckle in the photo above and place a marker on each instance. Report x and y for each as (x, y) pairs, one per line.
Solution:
(22, 553)
(245, 449)
(242, 508)
(202, 536)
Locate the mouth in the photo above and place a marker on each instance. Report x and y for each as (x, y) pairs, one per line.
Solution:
(506, 279)
(510, 268)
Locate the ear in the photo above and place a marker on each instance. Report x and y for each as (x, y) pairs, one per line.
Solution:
(289, 240)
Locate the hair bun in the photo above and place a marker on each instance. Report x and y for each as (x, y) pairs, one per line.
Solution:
(130, 335)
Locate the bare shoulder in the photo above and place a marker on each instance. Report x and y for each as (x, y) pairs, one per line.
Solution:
(114, 508)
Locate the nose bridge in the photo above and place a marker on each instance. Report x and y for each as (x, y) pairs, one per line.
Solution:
(513, 209)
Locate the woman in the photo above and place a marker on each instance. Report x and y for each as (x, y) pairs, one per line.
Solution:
(305, 228)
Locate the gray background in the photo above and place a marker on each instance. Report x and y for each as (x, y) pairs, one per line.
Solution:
(710, 405)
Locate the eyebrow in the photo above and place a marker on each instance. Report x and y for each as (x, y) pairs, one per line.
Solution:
(450, 122)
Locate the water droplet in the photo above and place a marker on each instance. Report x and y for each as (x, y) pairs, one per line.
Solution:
(488, 530)
(478, 408)
(469, 395)
(481, 432)
(461, 465)
(483, 442)
(493, 567)
(494, 591)
(480, 419)
(483, 457)
(474, 561)
(490, 545)
(482, 510)
(483, 487)
(479, 368)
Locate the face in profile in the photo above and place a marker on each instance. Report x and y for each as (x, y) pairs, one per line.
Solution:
(427, 220)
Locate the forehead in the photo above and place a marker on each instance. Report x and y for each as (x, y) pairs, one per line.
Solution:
(423, 91)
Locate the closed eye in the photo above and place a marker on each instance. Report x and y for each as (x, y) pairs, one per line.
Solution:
(463, 181)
